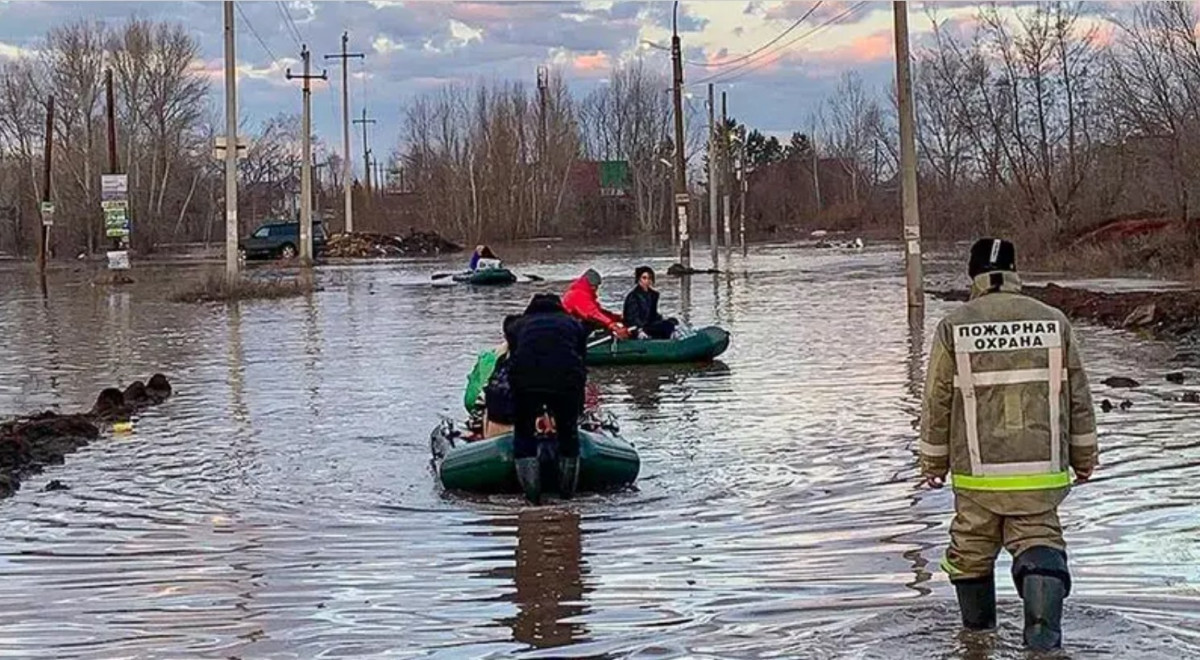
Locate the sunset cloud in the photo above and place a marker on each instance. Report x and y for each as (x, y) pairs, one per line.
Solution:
(416, 47)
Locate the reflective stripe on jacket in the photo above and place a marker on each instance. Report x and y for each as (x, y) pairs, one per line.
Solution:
(1007, 407)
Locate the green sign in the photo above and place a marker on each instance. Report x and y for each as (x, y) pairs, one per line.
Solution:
(47, 209)
(116, 219)
(614, 174)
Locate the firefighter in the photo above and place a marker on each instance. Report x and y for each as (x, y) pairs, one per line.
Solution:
(1007, 410)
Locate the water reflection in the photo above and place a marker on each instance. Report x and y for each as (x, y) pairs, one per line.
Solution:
(644, 385)
(549, 578)
(236, 378)
(777, 514)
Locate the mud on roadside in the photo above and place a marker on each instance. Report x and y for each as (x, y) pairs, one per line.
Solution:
(28, 444)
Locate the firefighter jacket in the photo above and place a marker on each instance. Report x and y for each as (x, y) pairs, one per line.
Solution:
(1007, 407)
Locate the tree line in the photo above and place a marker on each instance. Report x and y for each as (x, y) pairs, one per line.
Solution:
(165, 136)
(1030, 120)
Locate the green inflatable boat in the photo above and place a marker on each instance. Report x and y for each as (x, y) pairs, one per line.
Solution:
(486, 277)
(702, 345)
(486, 466)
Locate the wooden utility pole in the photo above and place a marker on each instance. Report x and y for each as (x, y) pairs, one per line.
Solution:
(43, 224)
(908, 160)
(110, 111)
(346, 187)
(366, 152)
(306, 250)
(713, 211)
(725, 179)
(543, 84)
(231, 142)
(681, 191)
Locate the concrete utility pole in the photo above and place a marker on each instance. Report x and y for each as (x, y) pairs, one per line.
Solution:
(816, 176)
(231, 141)
(366, 152)
(681, 191)
(543, 84)
(908, 160)
(712, 178)
(741, 175)
(48, 154)
(306, 250)
(346, 187)
(725, 180)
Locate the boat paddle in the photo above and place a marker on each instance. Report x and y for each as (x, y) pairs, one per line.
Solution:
(607, 338)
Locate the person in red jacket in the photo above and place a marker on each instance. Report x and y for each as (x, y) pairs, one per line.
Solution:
(583, 302)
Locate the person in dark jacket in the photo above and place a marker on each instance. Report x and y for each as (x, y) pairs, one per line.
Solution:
(547, 372)
(641, 308)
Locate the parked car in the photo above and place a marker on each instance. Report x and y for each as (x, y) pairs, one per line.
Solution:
(280, 240)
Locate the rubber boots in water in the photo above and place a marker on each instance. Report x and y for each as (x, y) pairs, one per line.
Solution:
(1043, 582)
(977, 602)
(568, 477)
(529, 475)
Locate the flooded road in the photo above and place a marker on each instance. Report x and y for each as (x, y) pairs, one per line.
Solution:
(281, 503)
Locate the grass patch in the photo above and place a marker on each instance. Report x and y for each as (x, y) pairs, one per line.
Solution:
(1168, 254)
(216, 288)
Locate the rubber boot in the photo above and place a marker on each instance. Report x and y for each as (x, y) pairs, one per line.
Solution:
(977, 602)
(568, 477)
(1043, 597)
(1043, 581)
(529, 475)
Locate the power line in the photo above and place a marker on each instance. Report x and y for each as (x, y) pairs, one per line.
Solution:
(727, 76)
(254, 32)
(289, 23)
(793, 26)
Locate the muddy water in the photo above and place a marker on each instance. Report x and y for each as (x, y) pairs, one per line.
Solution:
(281, 505)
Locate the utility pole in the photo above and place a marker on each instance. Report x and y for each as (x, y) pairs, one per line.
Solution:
(741, 175)
(725, 180)
(46, 219)
(366, 151)
(306, 251)
(908, 160)
(112, 121)
(712, 178)
(681, 191)
(543, 85)
(231, 142)
(346, 188)
(816, 176)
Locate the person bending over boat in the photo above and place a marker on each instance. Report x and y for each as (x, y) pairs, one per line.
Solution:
(481, 252)
(547, 374)
(641, 308)
(489, 392)
(582, 300)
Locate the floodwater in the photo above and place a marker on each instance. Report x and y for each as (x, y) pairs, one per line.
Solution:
(282, 505)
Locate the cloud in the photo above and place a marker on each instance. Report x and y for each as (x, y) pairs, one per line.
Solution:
(11, 52)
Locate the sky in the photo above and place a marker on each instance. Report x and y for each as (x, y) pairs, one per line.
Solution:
(412, 48)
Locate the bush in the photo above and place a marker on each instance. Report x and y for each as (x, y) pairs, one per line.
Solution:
(216, 288)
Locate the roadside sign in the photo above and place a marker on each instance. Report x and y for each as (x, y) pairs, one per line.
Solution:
(114, 187)
(47, 209)
(116, 218)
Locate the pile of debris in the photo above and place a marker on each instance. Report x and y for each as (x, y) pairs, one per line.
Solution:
(363, 245)
(29, 444)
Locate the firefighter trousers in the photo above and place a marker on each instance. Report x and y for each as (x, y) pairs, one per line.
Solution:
(977, 534)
